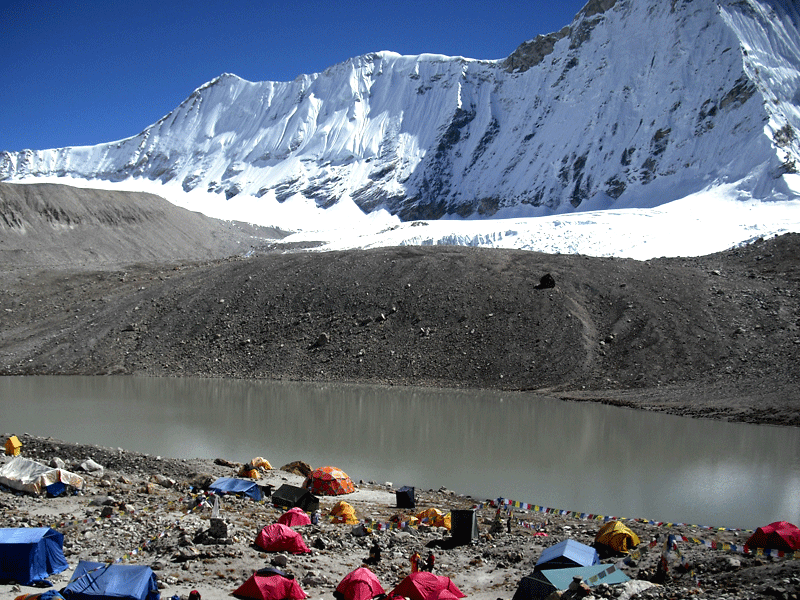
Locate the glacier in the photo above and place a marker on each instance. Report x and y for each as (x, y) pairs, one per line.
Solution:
(643, 128)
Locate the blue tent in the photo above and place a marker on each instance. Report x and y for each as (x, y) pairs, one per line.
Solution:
(99, 581)
(31, 554)
(540, 584)
(568, 553)
(234, 485)
(592, 575)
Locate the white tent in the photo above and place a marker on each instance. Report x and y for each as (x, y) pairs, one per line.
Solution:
(30, 476)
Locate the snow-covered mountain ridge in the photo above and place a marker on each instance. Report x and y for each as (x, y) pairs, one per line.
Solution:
(602, 114)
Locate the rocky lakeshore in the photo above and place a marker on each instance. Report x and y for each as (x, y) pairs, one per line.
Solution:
(98, 284)
(143, 509)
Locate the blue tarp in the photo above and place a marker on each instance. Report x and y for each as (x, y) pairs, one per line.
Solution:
(31, 554)
(98, 581)
(234, 485)
(568, 553)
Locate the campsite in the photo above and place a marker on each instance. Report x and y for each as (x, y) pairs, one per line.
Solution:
(137, 508)
(158, 514)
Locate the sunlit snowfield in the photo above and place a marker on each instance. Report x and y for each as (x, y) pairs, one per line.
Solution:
(702, 223)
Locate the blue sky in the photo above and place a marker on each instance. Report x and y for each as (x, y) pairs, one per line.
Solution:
(80, 73)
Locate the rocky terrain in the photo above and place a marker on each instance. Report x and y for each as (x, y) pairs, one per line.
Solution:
(144, 509)
(716, 336)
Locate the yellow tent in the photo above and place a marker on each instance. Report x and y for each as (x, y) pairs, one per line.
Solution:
(261, 463)
(248, 471)
(617, 536)
(434, 517)
(13, 446)
(342, 512)
(251, 469)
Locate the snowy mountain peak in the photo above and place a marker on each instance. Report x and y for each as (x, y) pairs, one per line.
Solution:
(601, 114)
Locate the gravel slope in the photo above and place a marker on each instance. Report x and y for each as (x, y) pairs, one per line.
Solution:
(716, 336)
(61, 226)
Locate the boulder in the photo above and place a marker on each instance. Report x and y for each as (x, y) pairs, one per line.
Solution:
(297, 467)
(91, 467)
(547, 281)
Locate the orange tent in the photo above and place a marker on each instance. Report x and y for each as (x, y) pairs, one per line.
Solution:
(433, 517)
(329, 481)
(13, 446)
(617, 536)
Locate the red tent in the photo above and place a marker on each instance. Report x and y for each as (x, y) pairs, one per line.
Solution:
(329, 481)
(294, 517)
(270, 584)
(780, 535)
(361, 584)
(427, 586)
(281, 538)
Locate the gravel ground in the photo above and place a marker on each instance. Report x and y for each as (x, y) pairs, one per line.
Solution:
(145, 504)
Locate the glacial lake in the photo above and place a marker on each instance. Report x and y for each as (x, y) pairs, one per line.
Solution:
(573, 456)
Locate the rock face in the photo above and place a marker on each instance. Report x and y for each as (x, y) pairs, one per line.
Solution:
(599, 114)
